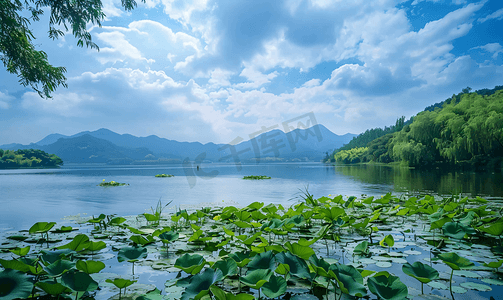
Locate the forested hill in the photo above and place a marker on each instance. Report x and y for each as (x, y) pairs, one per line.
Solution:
(467, 131)
(363, 139)
(28, 158)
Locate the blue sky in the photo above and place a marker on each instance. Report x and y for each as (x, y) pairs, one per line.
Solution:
(210, 71)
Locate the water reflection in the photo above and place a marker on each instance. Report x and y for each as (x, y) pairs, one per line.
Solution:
(431, 181)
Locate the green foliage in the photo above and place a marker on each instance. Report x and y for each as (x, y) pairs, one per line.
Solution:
(17, 48)
(466, 131)
(14, 284)
(256, 177)
(28, 158)
(164, 175)
(351, 156)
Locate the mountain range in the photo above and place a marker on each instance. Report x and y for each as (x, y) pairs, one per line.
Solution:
(106, 146)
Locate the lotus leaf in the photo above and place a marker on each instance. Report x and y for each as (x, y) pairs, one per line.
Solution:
(319, 266)
(41, 227)
(350, 281)
(388, 240)
(275, 287)
(495, 228)
(132, 253)
(14, 284)
(54, 255)
(227, 266)
(59, 267)
(256, 278)
(53, 288)
(241, 258)
(190, 264)
(421, 272)
(79, 243)
(362, 249)
(117, 221)
(121, 283)
(79, 281)
(298, 267)
(140, 240)
(455, 261)
(21, 251)
(200, 284)
(303, 252)
(19, 265)
(90, 266)
(387, 287)
(456, 230)
(219, 294)
(96, 246)
(169, 236)
(263, 260)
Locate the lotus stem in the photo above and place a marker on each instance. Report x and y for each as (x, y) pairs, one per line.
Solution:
(422, 284)
(450, 284)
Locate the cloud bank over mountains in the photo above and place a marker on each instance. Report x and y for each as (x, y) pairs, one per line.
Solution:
(213, 70)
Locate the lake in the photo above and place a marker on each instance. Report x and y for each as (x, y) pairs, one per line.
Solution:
(31, 195)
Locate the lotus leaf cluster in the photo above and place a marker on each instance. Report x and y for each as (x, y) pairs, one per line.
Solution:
(317, 247)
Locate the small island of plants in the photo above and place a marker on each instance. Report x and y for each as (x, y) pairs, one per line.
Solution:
(164, 175)
(255, 177)
(111, 183)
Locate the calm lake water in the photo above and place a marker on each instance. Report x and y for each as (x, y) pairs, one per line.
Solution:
(29, 196)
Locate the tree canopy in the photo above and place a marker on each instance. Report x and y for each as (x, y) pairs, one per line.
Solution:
(466, 131)
(17, 51)
(28, 158)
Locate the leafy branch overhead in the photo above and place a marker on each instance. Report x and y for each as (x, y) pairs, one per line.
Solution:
(17, 51)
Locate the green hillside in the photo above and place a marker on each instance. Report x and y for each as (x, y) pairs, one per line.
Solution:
(466, 131)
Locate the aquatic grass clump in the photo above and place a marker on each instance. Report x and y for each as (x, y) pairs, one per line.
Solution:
(111, 183)
(164, 175)
(256, 177)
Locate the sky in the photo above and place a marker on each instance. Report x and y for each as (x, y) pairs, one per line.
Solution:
(215, 71)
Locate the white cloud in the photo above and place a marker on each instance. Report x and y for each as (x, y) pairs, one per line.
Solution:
(255, 78)
(498, 15)
(120, 49)
(494, 48)
(5, 98)
(219, 78)
(65, 104)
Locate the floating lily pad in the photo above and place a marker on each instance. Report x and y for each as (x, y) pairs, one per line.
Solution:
(493, 281)
(437, 285)
(384, 264)
(476, 286)
(464, 273)
(412, 252)
(458, 290)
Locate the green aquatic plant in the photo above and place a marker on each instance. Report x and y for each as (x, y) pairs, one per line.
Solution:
(455, 262)
(132, 254)
(14, 285)
(191, 264)
(164, 175)
(256, 177)
(421, 272)
(79, 282)
(387, 241)
(121, 283)
(42, 227)
(199, 285)
(348, 279)
(90, 266)
(388, 287)
(111, 183)
(168, 237)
